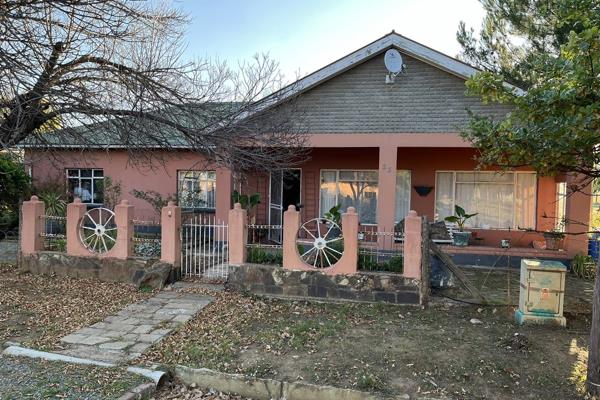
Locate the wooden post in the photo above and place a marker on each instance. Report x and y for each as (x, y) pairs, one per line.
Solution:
(425, 262)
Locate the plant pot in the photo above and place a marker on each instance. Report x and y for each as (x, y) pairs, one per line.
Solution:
(553, 242)
(461, 239)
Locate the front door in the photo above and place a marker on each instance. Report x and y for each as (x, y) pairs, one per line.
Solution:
(284, 191)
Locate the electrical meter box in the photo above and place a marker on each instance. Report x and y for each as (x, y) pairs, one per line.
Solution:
(542, 292)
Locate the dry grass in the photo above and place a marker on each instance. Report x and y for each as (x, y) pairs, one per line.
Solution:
(384, 349)
(38, 310)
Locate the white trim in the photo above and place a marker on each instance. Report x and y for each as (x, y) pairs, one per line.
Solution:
(282, 210)
(514, 185)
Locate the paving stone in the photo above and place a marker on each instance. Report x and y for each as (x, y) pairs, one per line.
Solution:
(116, 345)
(182, 318)
(117, 326)
(161, 332)
(73, 338)
(144, 328)
(148, 338)
(93, 340)
(126, 335)
(114, 334)
(139, 347)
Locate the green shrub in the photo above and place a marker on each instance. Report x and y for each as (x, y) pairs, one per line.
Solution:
(583, 266)
(257, 255)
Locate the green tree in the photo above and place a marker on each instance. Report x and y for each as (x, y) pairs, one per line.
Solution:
(555, 123)
(14, 186)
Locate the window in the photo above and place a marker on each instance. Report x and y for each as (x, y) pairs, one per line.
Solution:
(359, 189)
(501, 200)
(402, 194)
(87, 184)
(197, 189)
(561, 206)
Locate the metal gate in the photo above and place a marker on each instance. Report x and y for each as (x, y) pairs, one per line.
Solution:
(204, 250)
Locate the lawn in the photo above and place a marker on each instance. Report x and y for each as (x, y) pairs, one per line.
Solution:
(385, 349)
(38, 310)
(38, 379)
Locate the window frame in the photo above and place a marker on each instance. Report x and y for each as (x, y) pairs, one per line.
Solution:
(92, 178)
(514, 185)
(207, 171)
(337, 192)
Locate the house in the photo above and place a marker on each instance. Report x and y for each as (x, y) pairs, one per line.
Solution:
(384, 148)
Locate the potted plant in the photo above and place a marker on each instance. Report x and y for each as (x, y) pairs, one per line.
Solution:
(334, 214)
(460, 217)
(554, 239)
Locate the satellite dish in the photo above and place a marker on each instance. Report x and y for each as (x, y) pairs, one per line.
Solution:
(393, 61)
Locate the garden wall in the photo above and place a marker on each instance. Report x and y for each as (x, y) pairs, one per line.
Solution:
(362, 286)
(138, 271)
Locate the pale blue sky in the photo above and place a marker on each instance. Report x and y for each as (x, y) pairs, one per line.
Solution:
(306, 35)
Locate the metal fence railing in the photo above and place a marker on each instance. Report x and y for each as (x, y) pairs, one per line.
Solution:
(380, 251)
(204, 248)
(264, 244)
(146, 239)
(55, 229)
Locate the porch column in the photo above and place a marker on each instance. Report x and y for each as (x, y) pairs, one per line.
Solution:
(386, 201)
(223, 197)
(578, 210)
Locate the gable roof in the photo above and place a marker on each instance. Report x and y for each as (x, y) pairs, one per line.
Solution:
(389, 41)
(100, 134)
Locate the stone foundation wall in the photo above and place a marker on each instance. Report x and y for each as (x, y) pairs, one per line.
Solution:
(138, 271)
(363, 286)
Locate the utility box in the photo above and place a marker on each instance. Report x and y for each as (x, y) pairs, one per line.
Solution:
(542, 292)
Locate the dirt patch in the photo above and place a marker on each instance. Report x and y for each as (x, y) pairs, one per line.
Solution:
(385, 349)
(38, 310)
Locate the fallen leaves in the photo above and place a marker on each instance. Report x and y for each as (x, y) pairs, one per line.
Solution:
(38, 310)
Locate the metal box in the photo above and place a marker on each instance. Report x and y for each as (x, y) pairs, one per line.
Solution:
(542, 292)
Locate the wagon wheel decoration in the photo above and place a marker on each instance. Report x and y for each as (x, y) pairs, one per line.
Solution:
(98, 230)
(320, 242)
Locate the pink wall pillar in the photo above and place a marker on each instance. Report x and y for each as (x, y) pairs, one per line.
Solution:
(578, 210)
(75, 212)
(347, 264)
(170, 225)
(386, 198)
(123, 247)
(223, 197)
(124, 214)
(412, 245)
(32, 226)
(238, 234)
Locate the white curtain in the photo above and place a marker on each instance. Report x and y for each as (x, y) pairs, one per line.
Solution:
(525, 200)
(444, 195)
(501, 200)
(328, 190)
(402, 194)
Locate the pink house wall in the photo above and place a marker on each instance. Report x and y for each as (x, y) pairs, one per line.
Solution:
(421, 161)
(161, 178)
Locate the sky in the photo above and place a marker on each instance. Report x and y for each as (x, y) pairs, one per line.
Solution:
(306, 35)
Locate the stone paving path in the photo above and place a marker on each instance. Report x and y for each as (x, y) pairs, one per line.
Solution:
(134, 329)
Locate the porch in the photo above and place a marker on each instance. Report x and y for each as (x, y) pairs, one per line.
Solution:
(430, 180)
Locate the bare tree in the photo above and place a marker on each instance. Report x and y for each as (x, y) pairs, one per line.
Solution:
(108, 73)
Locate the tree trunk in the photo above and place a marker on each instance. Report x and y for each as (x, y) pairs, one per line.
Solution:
(593, 372)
